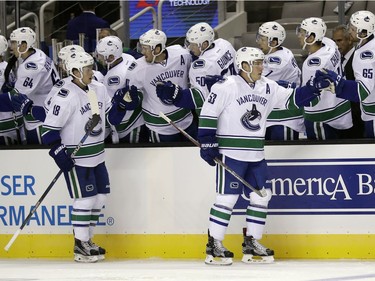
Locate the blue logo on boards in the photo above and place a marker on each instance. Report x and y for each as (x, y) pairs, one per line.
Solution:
(342, 186)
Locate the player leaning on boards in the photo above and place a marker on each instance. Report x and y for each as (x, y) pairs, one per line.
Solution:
(332, 114)
(161, 63)
(280, 64)
(132, 128)
(11, 122)
(86, 175)
(28, 106)
(36, 74)
(362, 89)
(232, 126)
(214, 58)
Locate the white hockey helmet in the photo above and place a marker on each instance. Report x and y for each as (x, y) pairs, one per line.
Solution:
(24, 34)
(314, 26)
(200, 33)
(311, 26)
(364, 21)
(66, 51)
(153, 38)
(248, 55)
(109, 45)
(272, 30)
(78, 61)
(3, 45)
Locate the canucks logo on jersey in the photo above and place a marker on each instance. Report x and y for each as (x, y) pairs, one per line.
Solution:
(366, 55)
(314, 62)
(251, 119)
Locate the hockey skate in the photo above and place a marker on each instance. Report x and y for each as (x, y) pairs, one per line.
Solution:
(84, 252)
(99, 249)
(215, 249)
(254, 252)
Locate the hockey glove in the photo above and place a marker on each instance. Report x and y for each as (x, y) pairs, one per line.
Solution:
(314, 86)
(168, 92)
(209, 149)
(287, 84)
(127, 99)
(22, 103)
(59, 153)
(210, 80)
(332, 78)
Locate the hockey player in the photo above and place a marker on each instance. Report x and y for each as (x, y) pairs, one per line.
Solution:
(86, 174)
(161, 63)
(331, 113)
(11, 122)
(28, 105)
(362, 29)
(36, 74)
(280, 64)
(214, 58)
(232, 126)
(132, 128)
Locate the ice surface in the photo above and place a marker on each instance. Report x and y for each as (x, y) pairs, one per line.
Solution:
(181, 270)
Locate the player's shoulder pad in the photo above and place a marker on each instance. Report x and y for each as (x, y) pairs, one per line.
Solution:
(132, 66)
(63, 93)
(365, 55)
(314, 61)
(199, 63)
(31, 66)
(274, 60)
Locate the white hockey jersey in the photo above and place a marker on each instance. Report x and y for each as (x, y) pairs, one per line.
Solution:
(115, 79)
(239, 113)
(218, 60)
(334, 111)
(35, 76)
(70, 110)
(145, 76)
(281, 65)
(363, 68)
(11, 123)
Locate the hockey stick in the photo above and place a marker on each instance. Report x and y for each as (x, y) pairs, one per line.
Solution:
(261, 193)
(89, 127)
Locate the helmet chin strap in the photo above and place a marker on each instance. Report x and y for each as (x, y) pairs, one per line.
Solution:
(200, 49)
(307, 44)
(109, 64)
(154, 56)
(360, 38)
(80, 78)
(270, 47)
(248, 74)
(21, 53)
